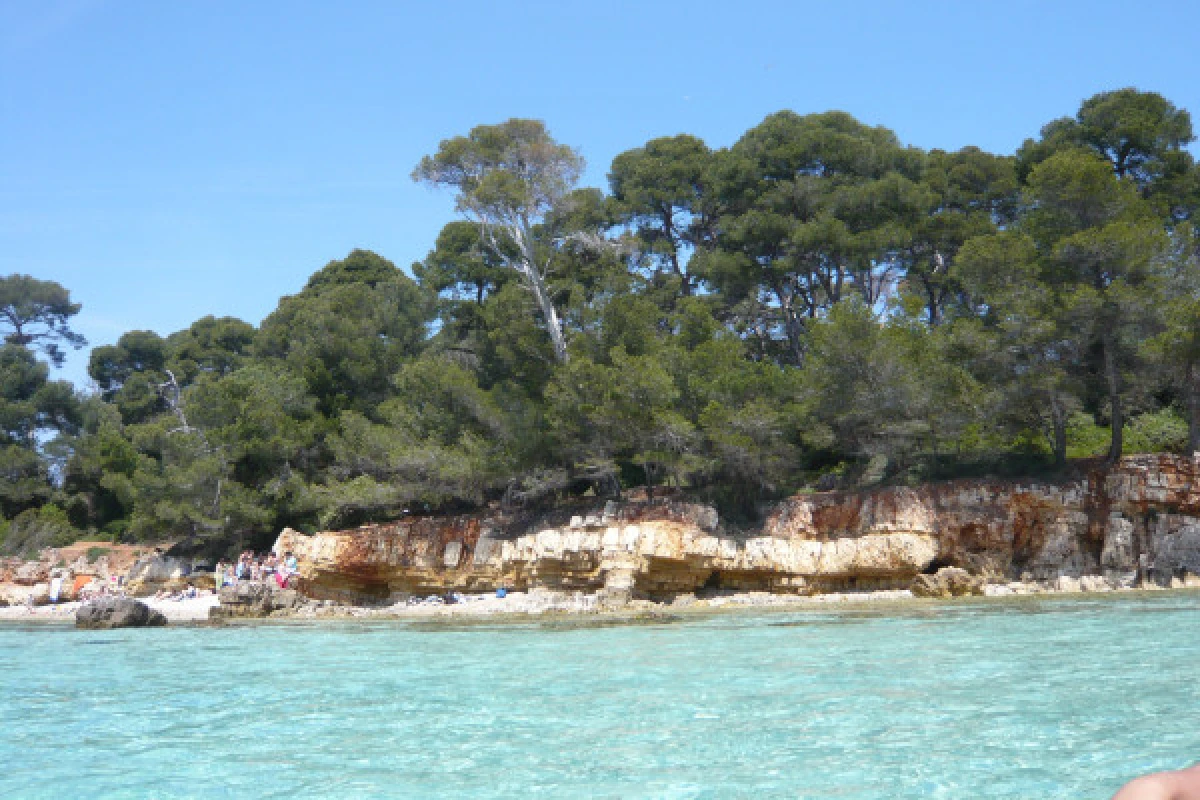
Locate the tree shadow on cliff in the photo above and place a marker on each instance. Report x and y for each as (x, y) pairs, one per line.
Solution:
(1001, 466)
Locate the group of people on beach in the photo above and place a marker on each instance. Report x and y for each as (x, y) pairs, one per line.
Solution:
(190, 592)
(251, 567)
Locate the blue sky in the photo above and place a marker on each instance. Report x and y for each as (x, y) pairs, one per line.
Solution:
(167, 160)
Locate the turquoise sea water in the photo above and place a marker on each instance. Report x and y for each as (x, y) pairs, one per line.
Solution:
(1039, 698)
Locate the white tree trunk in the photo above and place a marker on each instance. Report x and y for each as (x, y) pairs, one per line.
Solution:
(541, 295)
(533, 279)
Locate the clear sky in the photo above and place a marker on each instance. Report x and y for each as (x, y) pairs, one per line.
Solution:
(167, 160)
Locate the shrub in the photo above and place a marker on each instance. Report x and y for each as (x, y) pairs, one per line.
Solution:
(1163, 431)
(35, 529)
(95, 553)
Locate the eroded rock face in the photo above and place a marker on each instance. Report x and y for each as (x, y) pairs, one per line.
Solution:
(117, 612)
(651, 549)
(1138, 519)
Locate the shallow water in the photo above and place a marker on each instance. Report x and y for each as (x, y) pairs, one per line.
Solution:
(1036, 698)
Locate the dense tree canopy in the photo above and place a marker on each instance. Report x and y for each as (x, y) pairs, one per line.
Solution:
(817, 305)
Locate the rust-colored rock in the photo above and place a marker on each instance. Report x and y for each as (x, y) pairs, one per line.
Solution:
(22, 580)
(1138, 520)
(651, 549)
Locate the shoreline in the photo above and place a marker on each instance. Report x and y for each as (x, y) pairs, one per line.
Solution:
(521, 607)
(191, 611)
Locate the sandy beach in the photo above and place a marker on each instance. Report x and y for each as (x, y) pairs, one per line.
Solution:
(190, 610)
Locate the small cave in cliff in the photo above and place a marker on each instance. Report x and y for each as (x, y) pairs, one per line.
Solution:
(739, 580)
(936, 564)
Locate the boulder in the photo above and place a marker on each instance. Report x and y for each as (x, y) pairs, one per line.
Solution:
(17, 595)
(947, 582)
(1094, 583)
(31, 573)
(255, 600)
(117, 612)
(1067, 583)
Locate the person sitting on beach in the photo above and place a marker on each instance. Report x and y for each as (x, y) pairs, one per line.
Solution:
(1181, 784)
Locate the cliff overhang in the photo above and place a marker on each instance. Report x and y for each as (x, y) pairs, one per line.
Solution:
(1136, 520)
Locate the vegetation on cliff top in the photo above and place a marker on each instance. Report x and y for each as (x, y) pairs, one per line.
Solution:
(817, 305)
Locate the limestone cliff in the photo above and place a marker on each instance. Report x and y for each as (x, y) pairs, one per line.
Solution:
(1106, 522)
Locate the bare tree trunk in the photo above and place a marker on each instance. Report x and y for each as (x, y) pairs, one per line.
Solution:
(1058, 420)
(791, 324)
(171, 392)
(541, 296)
(685, 281)
(216, 506)
(526, 267)
(1193, 401)
(1114, 398)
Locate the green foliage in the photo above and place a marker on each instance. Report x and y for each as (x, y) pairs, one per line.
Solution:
(506, 169)
(360, 267)
(817, 305)
(35, 529)
(1141, 134)
(210, 346)
(347, 337)
(886, 391)
(1162, 431)
(36, 314)
(815, 208)
(441, 440)
(24, 480)
(661, 190)
(1086, 439)
(1101, 252)
(511, 179)
(99, 472)
(33, 410)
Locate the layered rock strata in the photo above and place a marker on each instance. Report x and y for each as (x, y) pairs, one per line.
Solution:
(254, 600)
(1116, 526)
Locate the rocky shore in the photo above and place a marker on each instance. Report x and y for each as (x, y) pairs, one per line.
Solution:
(1133, 525)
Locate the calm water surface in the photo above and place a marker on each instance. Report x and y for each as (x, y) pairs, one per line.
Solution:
(1042, 698)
